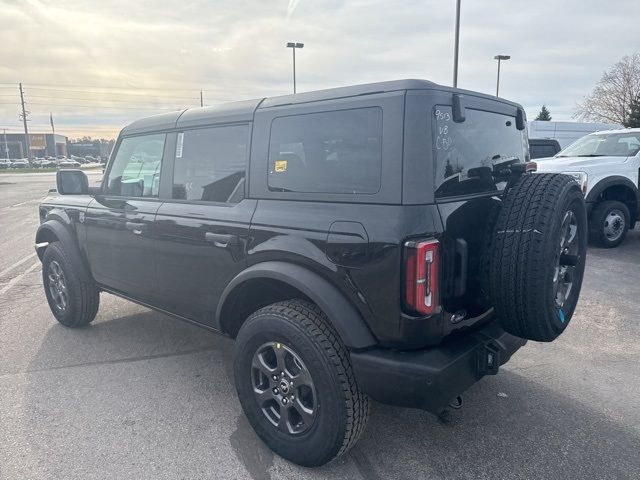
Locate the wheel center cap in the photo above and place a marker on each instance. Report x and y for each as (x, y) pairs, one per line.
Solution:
(284, 386)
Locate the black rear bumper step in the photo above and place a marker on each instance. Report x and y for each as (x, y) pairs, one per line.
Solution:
(429, 379)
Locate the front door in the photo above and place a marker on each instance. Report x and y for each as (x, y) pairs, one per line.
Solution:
(120, 220)
(202, 229)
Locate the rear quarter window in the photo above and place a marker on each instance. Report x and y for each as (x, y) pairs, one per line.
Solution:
(327, 152)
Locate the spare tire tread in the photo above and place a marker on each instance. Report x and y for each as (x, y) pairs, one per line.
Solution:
(521, 255)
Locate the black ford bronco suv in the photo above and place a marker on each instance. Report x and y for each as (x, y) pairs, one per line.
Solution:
(384, 241)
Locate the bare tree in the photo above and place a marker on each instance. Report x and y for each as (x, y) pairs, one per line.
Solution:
(610, 100)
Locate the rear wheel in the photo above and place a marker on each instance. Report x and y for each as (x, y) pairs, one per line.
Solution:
(295, 383)
(609, 224)
(537, 256)
(73, 301)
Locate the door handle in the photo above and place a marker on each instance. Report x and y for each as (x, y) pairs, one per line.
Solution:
(136, 228)
(221, 239)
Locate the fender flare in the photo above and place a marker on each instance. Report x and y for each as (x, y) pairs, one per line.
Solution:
(612, 181)
(61, 232)
(343, 315)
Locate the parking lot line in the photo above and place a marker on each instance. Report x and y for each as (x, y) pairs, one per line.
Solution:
(18, 263)
(15, 280)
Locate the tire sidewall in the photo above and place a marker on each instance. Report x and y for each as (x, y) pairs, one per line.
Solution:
(323, 440)
(55, 253)
(570, 200)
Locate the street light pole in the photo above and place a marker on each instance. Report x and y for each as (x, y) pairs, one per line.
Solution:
(456, 46)
(499, 58)
(293, 46)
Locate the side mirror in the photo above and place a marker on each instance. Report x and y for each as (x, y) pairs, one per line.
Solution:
(72, 182)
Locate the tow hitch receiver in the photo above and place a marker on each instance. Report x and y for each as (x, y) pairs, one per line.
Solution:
(488, 359)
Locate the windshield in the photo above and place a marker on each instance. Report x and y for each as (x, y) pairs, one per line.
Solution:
(468, 155)
(604, 144)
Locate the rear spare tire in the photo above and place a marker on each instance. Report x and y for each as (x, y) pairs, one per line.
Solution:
(537, 256)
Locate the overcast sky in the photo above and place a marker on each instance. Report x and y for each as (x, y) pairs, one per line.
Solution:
(97, 65)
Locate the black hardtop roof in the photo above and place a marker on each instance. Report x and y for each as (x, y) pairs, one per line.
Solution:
(238, 112)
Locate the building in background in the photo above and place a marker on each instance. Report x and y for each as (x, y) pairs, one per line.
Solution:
(88, 147)
(42, 144)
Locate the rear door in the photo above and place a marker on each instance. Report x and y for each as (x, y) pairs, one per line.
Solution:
(119, 221)
(202, 228)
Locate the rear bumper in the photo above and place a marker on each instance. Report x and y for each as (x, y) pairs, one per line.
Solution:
(430, 379)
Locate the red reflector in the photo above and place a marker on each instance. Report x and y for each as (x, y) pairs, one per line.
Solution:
(530, 167)
(421, 269)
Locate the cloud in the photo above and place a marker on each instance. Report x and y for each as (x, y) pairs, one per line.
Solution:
(161, 53)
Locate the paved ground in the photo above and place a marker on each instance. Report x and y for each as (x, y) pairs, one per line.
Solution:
(139, 395)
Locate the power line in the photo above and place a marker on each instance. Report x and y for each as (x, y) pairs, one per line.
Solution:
(93, 99)
(99, 107)
(109, 87)
(110, 93)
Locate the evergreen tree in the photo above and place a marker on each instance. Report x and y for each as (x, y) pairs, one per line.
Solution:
(633, 120)
(544, 114)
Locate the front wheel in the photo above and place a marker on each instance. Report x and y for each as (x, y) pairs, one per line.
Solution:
(609, 224)
(296, 385)
(73, 301)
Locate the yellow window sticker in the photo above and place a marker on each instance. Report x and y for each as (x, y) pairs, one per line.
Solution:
(281, 166)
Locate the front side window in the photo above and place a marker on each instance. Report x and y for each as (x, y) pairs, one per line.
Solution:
(135, 171)
(469, 154)
(328, 152)
(210, 164)
(604, 144)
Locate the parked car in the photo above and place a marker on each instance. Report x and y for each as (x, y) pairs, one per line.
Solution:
(543, 148)
(44, 163)
(4, 163)
(347, 260)
(21, 163)
(607, 165)
(68, 164)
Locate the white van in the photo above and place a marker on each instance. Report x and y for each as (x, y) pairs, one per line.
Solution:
(566, 132)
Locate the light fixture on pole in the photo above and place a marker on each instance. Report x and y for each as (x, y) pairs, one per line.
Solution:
(293, 46)
(500, 58)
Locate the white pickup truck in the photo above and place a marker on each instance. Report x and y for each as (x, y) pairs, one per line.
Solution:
(607, 166)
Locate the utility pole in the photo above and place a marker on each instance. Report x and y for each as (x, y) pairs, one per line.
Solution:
(201, 101)
(23, 116)
(456, 46)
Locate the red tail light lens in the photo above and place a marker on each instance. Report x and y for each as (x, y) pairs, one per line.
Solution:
(421, 272)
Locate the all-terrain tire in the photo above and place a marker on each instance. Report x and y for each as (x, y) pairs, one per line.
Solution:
(602, 230)
(82, 296)
(532, 289)
(341, 409)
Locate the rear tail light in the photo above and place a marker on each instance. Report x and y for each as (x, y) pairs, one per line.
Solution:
(421, 276)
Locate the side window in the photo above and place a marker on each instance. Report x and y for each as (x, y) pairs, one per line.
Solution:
(210, 164)
(136, 167)
(328, 152)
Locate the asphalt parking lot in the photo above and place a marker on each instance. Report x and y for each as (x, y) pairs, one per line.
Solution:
(140, 395)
